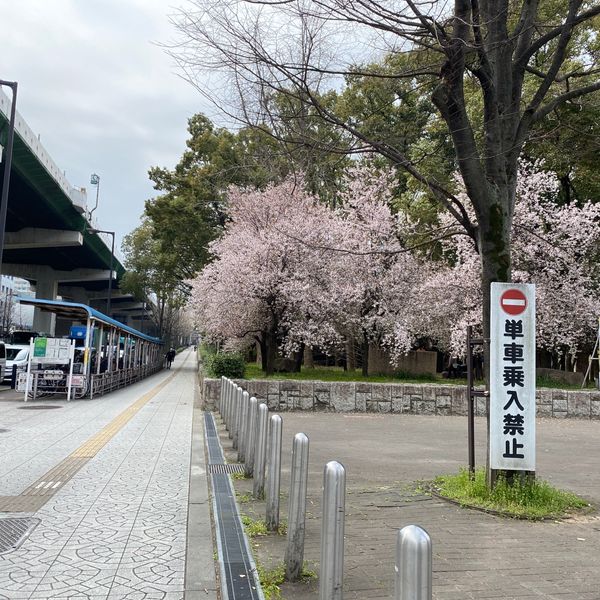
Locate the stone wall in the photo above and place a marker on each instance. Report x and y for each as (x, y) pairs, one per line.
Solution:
(416, 399)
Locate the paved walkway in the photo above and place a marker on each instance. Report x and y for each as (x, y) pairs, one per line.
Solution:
(476, 555)
(109, 482)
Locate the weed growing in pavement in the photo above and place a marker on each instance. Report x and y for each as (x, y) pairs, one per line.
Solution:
(271, 580)
(254, 527)
(523, 497)
(240, 476)
(243, 498)
(307, 574)
(282, 529)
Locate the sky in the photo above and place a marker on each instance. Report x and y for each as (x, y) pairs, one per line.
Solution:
(102, 94)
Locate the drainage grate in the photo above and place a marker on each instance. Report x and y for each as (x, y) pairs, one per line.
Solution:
(14, 531)
(239, 578)
(227, 468)
(39, 407)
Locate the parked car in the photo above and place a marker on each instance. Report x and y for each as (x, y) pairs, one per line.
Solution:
(16, 354)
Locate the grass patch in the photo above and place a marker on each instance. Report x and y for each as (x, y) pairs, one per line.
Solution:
(523, 498)
(271, 580)
(244, 498)
(282, 529)
(254, 527)
(547, 382)
(239, 476)
(253, 371)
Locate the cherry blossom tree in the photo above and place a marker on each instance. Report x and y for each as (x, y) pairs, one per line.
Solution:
(250, 290)
(555, 247)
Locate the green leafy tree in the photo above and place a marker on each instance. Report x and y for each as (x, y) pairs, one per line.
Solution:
(522, 59)
(150, 276)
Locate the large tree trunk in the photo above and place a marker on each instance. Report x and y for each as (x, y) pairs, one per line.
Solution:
(262, 343)
(495, 221)
(350, 355)
(298, 357)
(365, 356)
(309, 360)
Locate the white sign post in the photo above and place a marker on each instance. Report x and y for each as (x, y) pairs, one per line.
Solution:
(512, 377)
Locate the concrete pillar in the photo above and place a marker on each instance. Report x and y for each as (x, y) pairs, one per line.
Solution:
(46, 288)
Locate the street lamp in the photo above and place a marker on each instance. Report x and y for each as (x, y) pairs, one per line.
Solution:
(8, 152)
(94, 180)
(112, 257)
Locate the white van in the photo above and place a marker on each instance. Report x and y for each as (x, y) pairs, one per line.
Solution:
(15, 354)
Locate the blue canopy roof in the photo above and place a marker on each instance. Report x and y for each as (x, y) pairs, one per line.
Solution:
(75, 310)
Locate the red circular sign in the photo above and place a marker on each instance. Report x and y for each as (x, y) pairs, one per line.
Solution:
(513, 302)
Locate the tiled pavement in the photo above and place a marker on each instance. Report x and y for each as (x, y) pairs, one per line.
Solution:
(117, 529)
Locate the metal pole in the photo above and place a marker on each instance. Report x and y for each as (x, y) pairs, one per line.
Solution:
(112, 258)
(232, 393)
(470, 400)
(236, 418)
(242, 442)
(251, 437)
(225, 402)
(294, 553)
(332, 532)
(258, 486)
(239, 396)
(231, 410)
(8, 154)
(413, 564)
(274, 473)
(221, 393)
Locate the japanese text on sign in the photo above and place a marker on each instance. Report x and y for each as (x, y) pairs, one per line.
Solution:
(512, 377)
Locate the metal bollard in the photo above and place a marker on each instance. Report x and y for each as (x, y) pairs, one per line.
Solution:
(226, 408)
(260, 457)
(232, 408)
(274, 473)
(332, 532)
(243, 427)
(237, 406)
(294, 553)
(221, 394)
(251, 437)
(413, 564)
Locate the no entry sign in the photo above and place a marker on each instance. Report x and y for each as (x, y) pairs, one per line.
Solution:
(512, 377)
(513, 301)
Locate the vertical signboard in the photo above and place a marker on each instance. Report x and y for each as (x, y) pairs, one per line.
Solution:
(512, 377)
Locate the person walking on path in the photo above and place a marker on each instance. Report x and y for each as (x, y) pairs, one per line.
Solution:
(170, 356)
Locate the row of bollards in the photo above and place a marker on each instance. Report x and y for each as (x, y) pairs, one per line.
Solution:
(257, 438)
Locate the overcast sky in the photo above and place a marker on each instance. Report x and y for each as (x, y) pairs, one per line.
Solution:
(101, 94)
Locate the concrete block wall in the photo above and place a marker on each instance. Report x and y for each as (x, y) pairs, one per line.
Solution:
(409, 398)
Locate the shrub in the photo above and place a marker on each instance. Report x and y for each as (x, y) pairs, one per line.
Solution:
(225, 364)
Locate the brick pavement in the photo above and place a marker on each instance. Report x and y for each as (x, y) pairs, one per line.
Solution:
(476, 555)
(117, 529)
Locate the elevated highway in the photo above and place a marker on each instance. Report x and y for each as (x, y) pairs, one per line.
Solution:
(47, 240)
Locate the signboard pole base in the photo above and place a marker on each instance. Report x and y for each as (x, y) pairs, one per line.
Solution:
(509, 476)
